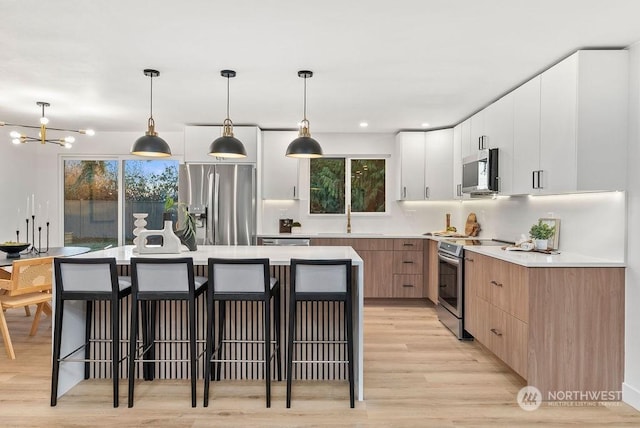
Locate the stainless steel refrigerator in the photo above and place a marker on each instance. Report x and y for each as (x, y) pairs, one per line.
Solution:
(223, 200)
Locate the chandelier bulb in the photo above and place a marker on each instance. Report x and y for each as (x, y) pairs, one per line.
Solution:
(44, 120)
(14, 134)
(69, 139)
(16, 141)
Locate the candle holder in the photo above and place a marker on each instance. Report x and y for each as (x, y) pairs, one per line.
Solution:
(33, 248)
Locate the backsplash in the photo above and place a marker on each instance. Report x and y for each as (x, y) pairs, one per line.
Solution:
(592, 224)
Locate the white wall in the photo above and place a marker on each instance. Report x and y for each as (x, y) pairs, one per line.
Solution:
(18, 175)
(631, 386)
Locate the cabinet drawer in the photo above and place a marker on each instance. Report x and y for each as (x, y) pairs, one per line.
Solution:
(372, 244)
(407, 244)
(408, 286)
(407, 262)
(508, 338)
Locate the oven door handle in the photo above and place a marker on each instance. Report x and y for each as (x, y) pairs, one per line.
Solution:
(453, 260)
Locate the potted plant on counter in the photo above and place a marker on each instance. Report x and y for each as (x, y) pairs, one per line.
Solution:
(296, 227)
(541, 233)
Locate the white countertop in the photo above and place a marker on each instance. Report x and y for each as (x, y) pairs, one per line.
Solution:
(276, 255)
(345, 235)
(534, 259)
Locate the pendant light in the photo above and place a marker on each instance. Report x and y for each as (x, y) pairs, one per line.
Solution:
(150, 144)
(304, 146)
(227, 146)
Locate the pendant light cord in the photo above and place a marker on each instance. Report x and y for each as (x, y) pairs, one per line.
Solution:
(151, 99)
(228, 97)
(304, 113)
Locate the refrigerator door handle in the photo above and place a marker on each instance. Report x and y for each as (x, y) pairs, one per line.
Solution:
(216, 207)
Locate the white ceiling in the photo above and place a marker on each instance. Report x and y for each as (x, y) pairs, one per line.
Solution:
(395, 64)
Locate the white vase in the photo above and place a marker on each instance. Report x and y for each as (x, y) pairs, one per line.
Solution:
(541, 244)
(170, 242)
(140, 224)
(296, 230)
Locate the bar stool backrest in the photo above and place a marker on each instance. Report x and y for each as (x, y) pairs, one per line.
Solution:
(321, 276)
(239, 275)
(163, 275)
(92, 275)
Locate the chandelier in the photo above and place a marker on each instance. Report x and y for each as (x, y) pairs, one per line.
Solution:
(19, 138)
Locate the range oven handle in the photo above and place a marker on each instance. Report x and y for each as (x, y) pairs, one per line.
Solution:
(451, 260)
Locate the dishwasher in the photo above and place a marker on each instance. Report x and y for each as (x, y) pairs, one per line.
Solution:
(286, 242)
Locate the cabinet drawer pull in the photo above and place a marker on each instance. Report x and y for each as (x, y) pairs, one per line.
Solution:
(408, 285)
(496, 283)
(467, 259)
(496, 332)
(408, 262)
(407, 244)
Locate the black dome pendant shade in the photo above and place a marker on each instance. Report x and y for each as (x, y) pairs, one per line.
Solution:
(227, 146)
(304, 146)
(150, 144)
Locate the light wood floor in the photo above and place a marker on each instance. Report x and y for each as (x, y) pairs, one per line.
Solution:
(416, 374)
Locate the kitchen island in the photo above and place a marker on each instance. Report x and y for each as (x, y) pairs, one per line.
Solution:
(279, 258)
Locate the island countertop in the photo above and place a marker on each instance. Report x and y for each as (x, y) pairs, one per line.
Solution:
(276, 255)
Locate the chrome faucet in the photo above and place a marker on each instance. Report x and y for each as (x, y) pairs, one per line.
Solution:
(348, 218)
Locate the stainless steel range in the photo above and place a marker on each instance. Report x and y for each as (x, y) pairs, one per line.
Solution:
(450, 306)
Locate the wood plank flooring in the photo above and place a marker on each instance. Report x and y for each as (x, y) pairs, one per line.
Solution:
(416, 375)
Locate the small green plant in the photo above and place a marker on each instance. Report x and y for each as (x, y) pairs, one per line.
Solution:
(296, 224)
(542, 231)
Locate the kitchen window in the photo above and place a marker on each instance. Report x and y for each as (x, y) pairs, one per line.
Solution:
(101, 195)
(334, 180)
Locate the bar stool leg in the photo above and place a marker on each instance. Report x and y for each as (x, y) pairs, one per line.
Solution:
(115, 350)
(291, 335)
(267, 348)
(57, 343)
(209, 347)
(133, 338)
(222, 315)
(87, 337)
(349, 315)
(192, 349)
(276, 315)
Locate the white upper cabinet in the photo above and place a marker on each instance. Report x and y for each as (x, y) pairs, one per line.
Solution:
(425, 165)
(526, 136)
(438, 164)
(457, 162)
(498, 134)
(410, 152)
(583, 123)
(465, 136)
(197, 140)
(279, 173)
(478, 135)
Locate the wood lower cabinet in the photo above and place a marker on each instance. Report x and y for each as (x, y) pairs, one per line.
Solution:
(393, 268)
(378, 272)
(561, 329)
(431, 270)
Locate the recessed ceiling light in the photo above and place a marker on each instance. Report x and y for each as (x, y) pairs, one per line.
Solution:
(363, 124)
(425, 125)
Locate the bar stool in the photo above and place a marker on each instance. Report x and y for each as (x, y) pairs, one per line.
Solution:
(320, 280)
(155, 280)
(242, 280)
(90, 280)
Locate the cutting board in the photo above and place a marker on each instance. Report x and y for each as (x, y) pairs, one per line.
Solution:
(472, 227)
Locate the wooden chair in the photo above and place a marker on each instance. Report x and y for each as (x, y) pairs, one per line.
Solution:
(30, 284)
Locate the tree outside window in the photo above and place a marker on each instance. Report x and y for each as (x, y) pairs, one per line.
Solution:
(329, 189)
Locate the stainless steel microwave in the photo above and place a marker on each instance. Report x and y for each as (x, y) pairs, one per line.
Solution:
(480, 172)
